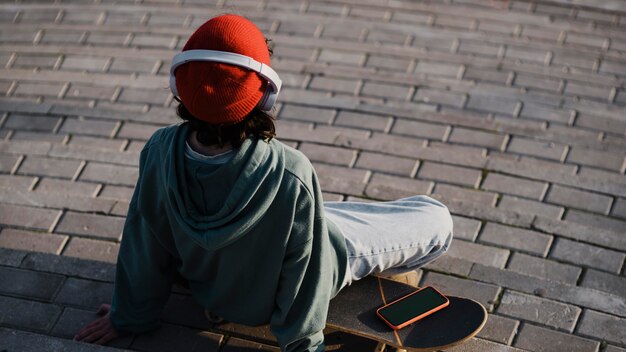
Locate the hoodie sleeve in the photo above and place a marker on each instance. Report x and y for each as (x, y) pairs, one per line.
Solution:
(143, 277)
(304, 289)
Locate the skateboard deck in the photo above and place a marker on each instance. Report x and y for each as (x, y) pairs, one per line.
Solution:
(353, 311)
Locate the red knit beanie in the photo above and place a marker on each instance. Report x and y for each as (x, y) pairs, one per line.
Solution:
(221, 93)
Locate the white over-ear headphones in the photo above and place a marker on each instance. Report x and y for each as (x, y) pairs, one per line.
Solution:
(266, 72)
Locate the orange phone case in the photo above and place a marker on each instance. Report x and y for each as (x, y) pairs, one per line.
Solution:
(411, 321)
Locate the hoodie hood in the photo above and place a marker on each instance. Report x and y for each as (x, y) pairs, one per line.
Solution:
(216, 205)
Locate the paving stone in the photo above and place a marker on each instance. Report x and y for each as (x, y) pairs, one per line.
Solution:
(73, 320)
(386, 163)
(359, 120)
(24, 314)
(24, 147)
(143, 96)
(530, 207)
(29, 284)
(92, 249)
(110, 174)
(533, 338)
(599, 221)
(449, 285)
(614, 349)
(576, 295)
(10, 257)
(544, 268)
(601, 181)
(437, 68)
(92, 153)
(450, 265)
(153, 41)
(539, 310)
(326, 154)
(136, 131)
(84, 63)
(15, 182)
(129, 65)
(479, 138)
(38, 89)
(341, 57)
(383, 90)
(120, 209)
(91, 225)
(31, 123)
(603, 326)
(544, 113)
(499, 329)
(55, 200)
(32, 241)
(482, 345)
(451, 174)
(38, 136)
(619, 208)
(84, 293)
(604, 281)
(465, 228)
(25, 60)
(37, 166)
(387, 187)
(548, 150)
(581, 232)
(514, 186)
(478, 253)
(492, 104)
(334, 84)
(7, 163)
(177, 338)
(420, 129)
(539, 82)
(383, 143)
(103, 38)
(586, 90)
(15, 340)
(34, 218)
(516, 238)
(388, 63)
(117, 193)
(82, 268)
(100, 143)
(465, 194)
(294, 112)
(73, 188)
(88, 127)
(61, 37)
(579, 199)
(587, 255)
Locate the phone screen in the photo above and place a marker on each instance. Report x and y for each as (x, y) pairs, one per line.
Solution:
(412, 306)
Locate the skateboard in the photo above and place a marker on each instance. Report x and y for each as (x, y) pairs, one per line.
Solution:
(353, 311)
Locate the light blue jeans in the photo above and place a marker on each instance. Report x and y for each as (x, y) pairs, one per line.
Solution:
(392, 237)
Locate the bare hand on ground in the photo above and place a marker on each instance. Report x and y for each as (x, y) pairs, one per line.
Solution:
(99, 331)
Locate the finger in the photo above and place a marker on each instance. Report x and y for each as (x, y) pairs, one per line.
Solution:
(106, 338)
(90, 328)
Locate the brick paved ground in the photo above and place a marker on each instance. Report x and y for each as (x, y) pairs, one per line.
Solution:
(513, 113)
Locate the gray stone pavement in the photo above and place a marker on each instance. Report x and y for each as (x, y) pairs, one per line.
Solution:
(511, 112)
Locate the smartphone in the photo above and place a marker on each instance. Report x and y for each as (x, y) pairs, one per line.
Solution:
(412, 307)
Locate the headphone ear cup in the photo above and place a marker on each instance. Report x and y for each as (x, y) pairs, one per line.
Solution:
(173, 85)
(267, 100)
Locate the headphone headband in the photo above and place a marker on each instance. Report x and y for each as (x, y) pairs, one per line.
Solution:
(266, 72)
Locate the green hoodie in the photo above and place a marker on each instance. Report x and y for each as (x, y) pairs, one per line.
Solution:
(250, 237)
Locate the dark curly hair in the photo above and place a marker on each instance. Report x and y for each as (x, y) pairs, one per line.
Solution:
(258, 123)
